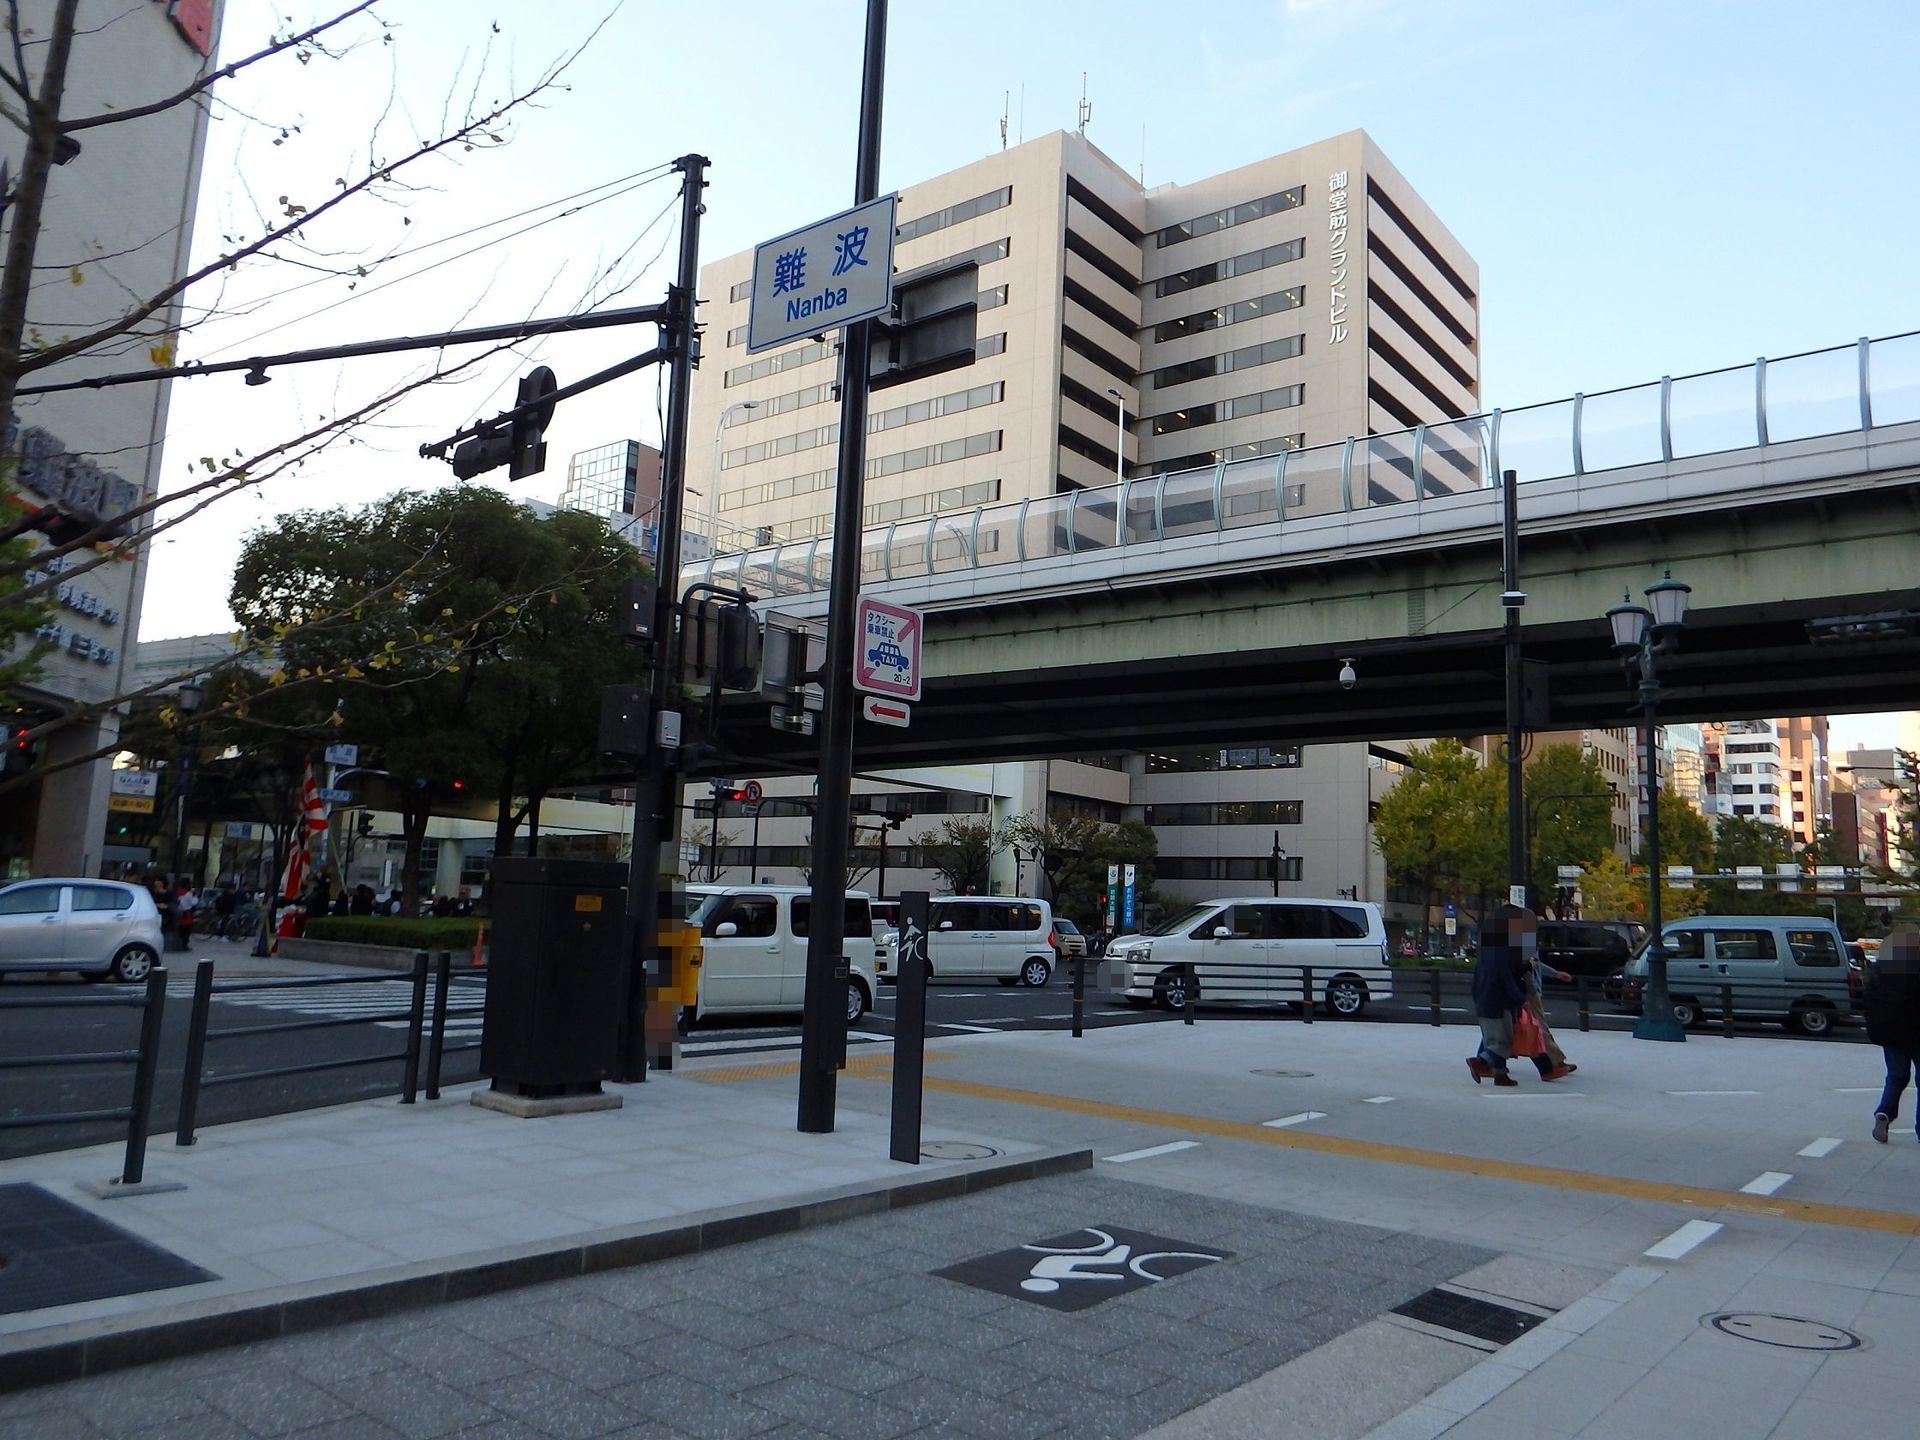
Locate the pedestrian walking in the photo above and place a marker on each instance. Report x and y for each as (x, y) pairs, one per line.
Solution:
(184, 903)
(1500, 989)
(1893, 1023)
(1550, 1060)
(224, 904)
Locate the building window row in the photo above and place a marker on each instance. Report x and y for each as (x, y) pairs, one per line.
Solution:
(1224, 867)
(782, 360)
(1286, 397)
(919, 410)
(1397, 268)
(932, 502)
(1230, 812)
(1245, 358)
(1233, 215)
(944, 453)
(1231, 314)
(785, 488)
(1264, 258)
(1252, 450)
(954, 214)
(1254, 757)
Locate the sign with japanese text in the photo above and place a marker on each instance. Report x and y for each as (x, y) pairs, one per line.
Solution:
(1337, 256)
(1128, 876)
(136, 782)
(829, 274)
(886, 656)
(131, 804)
(343, 755)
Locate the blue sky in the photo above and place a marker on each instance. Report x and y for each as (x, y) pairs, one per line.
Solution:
(1649, 188)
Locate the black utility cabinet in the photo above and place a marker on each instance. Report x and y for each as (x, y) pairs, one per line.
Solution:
(555, 976)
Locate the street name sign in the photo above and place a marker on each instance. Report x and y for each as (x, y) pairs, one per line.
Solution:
(136, 782)
(822, 276)
(886, 657)
(336, 797)
(343, 755)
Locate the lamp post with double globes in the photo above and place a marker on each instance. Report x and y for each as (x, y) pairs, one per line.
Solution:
(1640, 635)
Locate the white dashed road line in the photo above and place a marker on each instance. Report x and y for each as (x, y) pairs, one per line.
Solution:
(1378, 1100)
(1681, 1241)
(1822, 1147)
(1150, 1152)
(1765, 1183)
(1285, 1120)
(1713, 1092)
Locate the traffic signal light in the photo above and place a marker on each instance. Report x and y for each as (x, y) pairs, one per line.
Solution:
(18, 757)
(529, 455)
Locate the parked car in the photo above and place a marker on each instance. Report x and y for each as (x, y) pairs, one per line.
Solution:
(1591, 948)
(1068, 942)
(1790, 968)
(1010, 939)
(100, 928)
(1258, 949)
(753, 948)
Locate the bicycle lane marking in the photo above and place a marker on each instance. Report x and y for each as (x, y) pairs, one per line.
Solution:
(1810, 1212)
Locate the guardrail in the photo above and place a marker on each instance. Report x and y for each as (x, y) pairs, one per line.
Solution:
(152, 1006)
(1813, 1006)
(1843, 390)
(437, 1047)
(194, 1077)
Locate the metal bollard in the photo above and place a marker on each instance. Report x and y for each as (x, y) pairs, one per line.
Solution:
(1433, 998)
(1306, 993)
(1586, 1005)
(1079, 994)
(416, 1021)
(437, 1044)
(150, 1017)
(196, 1052)
(1726, 1011)
(1191, 994)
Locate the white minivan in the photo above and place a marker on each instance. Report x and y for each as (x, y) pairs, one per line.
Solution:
(1258, 949)
(1009, 938)
(753, 948)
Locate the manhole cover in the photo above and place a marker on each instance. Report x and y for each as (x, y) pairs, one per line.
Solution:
(956, 1150)
(1789, 1332)
(1284, 1074)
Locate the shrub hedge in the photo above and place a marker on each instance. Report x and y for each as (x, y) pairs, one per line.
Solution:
(424, 933)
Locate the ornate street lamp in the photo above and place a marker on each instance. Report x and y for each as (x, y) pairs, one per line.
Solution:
(1640, 634)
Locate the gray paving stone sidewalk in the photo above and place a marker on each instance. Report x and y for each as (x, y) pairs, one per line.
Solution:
(839, 1332)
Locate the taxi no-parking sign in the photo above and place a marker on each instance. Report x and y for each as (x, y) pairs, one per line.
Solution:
(886, 658)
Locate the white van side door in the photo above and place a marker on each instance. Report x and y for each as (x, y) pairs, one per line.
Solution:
(742, 945)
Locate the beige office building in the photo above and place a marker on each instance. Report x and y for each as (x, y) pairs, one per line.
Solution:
(1295, 301)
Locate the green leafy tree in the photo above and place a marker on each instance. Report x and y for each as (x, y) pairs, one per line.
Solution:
(1571, 815)
(1739, 841)
(960, 851)
(1075, 851)
(464, 646)
(1442, 828)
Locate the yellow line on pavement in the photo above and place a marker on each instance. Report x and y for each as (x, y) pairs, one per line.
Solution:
(1695, 1196)
(858, 1067)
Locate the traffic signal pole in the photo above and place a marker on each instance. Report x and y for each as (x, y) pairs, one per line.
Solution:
(823, 1033)
(653, 869)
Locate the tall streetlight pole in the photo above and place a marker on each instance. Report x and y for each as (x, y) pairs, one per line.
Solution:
(1120, 439)
(188, 698)
(711, 509)
(1512, 597)
(1639, 635)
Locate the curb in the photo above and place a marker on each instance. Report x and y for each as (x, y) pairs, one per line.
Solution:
(92, 1347)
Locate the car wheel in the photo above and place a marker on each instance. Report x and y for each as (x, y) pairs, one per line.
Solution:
(1170, 990)
(1686, 1012)
(1035, 973)
(1813, 1018)
(857, 1000)
(132, 964)
(1346, 998)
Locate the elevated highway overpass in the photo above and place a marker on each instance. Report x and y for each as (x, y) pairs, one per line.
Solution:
(1214, 607)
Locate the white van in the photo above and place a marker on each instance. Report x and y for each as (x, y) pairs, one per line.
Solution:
(753, 948)
(1259, 949)
(1007, 937)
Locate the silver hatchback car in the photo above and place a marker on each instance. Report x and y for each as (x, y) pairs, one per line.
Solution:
(101, 928)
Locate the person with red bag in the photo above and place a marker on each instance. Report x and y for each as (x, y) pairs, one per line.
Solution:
(1500, 990)
(1545, 1052)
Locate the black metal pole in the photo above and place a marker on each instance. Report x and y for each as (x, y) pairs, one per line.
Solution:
(753, 865)
(652, 873)
(176, 938)
(824, 1024)
(1511, 600)
(1656, 1006)
(437, 1046)
(909, 1028)
(151, 1014)
(196, 1052)
(416, 1022)
(1274, 861)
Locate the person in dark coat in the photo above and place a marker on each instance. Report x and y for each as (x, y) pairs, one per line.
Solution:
(1893, 1022)
(1500, 989)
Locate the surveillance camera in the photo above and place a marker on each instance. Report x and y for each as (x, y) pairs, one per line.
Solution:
(1349, 677)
